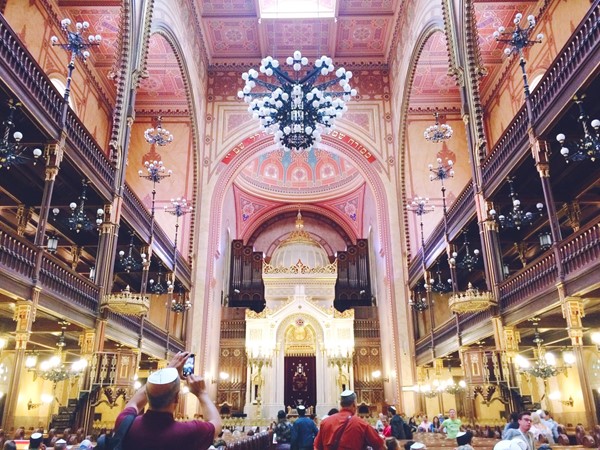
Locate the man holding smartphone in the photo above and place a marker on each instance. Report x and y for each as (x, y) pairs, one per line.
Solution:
(157, 429)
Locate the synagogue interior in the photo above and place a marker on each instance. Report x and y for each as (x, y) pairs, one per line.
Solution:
(397, 197)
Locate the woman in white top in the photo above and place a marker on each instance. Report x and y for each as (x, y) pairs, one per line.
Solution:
(540, 430)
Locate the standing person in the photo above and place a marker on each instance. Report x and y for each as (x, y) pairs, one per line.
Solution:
(379, 426)
(304, 431)
(157, 429)
(283, 431)
(523, 433)
(539, 429)
(452, 425)
(346, 431)
(397, 424)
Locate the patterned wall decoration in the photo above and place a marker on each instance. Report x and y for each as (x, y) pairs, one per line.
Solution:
(305, 173)
(235, 38)
(350, 207)
(364, 35)
(249, 208)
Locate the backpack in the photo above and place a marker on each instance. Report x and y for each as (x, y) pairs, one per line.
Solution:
(116, 441)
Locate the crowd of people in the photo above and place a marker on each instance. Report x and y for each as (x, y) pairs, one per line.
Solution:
(343, 429)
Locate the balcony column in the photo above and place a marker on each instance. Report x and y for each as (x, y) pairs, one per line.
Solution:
(53, 154)
(87, 341)
(539, 151)
(24, 316)
(469, 397)
(492, 253)
(573, 311)
(507, 339)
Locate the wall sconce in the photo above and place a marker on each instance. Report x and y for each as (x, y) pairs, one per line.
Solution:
(376, 374)
(223, 376)
(556, 397)
(545, 240)
(46, 399)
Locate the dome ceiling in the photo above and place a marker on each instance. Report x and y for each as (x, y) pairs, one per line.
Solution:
(317, 173)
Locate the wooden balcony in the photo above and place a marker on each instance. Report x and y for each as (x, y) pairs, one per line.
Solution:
(27, 80)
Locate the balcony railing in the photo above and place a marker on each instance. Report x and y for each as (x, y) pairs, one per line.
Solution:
(155, 334)
(536, 277)
(68, 285)
(17, 256)
(581, 250)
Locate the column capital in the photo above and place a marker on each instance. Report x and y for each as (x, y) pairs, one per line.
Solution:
(24, 315)
(573, 311)
(86, 341)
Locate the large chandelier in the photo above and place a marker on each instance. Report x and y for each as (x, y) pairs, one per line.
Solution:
(545, 366)
(12, 151)
(468, 261)
(516, 217)
(295, 109)
(127, 303)
(472, 300)
(587, 146)
(56, 369)
(79, 220)
(128, 261)
(158, 135)
(438, 132)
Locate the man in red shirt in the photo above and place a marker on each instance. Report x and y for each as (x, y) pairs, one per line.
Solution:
(345, 431)
(156, 429)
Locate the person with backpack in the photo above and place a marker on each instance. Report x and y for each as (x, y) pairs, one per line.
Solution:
(157, 429)
(283, 431)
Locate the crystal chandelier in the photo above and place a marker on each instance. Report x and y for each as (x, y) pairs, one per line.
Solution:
(79, 220)
(78, 46)
(181, 304)
(544, 366)
(438, 132)
(439, 285)
(516, 218)
(158, 135)
(469, 261)
(12, 152)
(518, 39)
(55, 369)
(155, 172)
(588, 146)
(127, 261)
(295, 109)
(418, 302)
(157, 287)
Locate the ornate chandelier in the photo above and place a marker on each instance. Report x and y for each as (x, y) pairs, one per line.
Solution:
(544, 366)
(295, 109)
(181, 304)
(79, 220)
(516, 217)
(158, 135)
(157, 287)
(127, 261)
(588, 146)
(439, 285)
(55, 369)
(127, 303)
(518, 39)
(438, 132)
(418, 302)
(12, 152)
(470, 301)
(469, 261)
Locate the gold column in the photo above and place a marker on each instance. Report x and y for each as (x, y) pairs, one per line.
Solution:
(24, 316)
(573, 311)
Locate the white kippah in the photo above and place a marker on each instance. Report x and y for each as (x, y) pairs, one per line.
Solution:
(347, 393)
(460, 433)
(301, 407)
(417, 446)
(36, 435)
(61, 441)
(164, 376)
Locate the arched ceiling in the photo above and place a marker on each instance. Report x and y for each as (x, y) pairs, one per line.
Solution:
(164, 89)
(433, 87)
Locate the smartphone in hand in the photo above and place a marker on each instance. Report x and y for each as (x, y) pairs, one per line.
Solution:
(188, 366)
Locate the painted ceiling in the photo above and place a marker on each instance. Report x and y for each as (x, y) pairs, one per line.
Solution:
(302, 175)
(243, 30)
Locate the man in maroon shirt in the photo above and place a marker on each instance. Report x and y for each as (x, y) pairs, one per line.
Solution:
(156, 429)
(345, 431)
